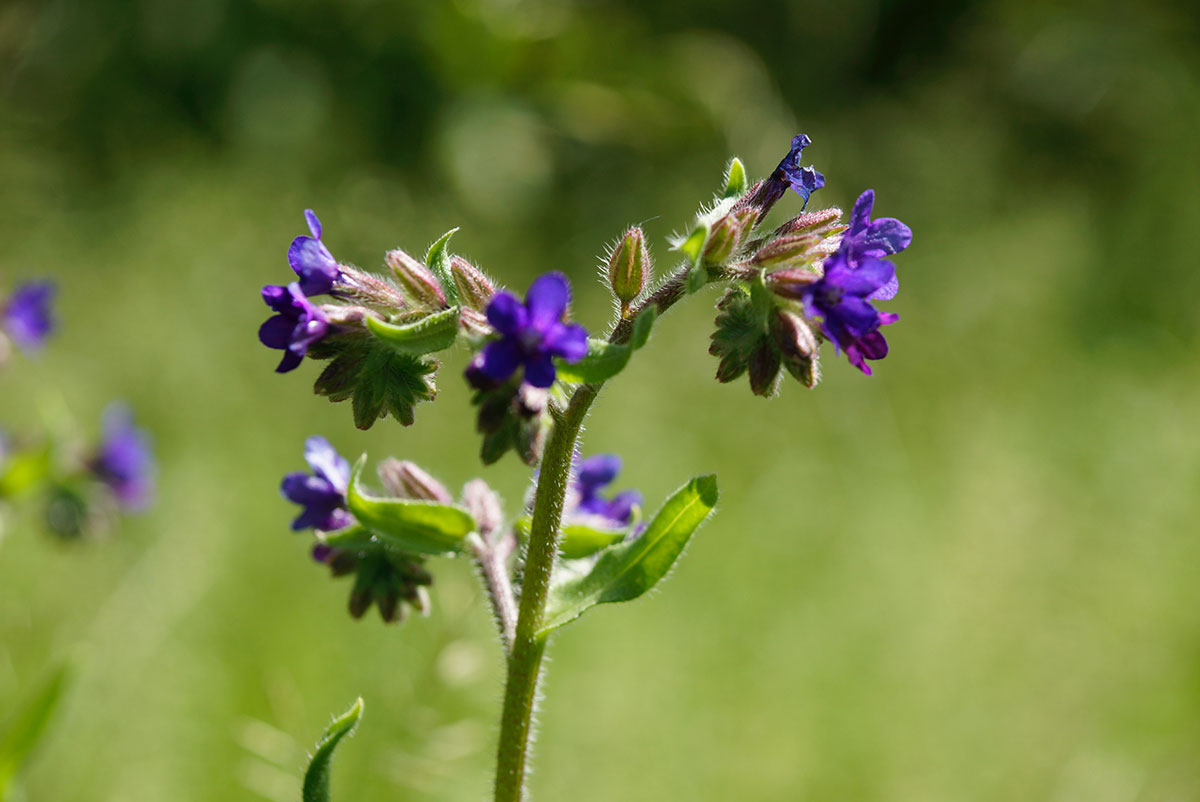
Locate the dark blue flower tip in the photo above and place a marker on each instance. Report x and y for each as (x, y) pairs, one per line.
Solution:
(532, 334)
(124, 460)
(874, 239)
(803, 180)
(297, 324)
(26, 317)
(322, 494)
(592, 475)
(840, 299)
(312, 261)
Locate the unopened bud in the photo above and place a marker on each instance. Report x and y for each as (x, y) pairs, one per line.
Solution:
(764, 371)
(343, 315)
(360, 600)
(792, 248)
(407, 480)
(797, 345)
(484, 505)
(727, 234)
(417, 280)
(791, 283)
(823, 221)
(629, 266)
(475, 289)
(388, 602)
(473, 322)
(363, 287)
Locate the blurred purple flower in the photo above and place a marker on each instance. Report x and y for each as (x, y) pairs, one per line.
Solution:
(594, 474)
(323, 493)
(874, 239)
(297, 324)
(124, 460)
(840, 299)
(26, 316)
(312, 261)
(531, 334)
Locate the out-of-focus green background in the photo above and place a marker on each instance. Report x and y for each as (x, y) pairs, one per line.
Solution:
(971, 577)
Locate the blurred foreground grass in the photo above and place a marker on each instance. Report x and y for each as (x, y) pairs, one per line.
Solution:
(972, 576)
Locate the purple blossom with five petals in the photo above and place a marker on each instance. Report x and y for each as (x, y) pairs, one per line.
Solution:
(124, 460)
(531, 334)
(874, 239)
(26, 316)
(594, 474)
(312, 261)
(323, 493)
(840, 298)
(296, 325)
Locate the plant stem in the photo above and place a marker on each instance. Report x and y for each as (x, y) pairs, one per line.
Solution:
(528, 644)
(492, 559)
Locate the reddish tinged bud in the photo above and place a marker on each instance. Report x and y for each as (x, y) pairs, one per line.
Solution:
(823, 221)
(484, 505)
(629, 266)
(357, 285)
(407, 480)
(475, 289)
(473, 322)
(797, 345)
(722, 239)
(794, 248)
(417, 280)
(792, 282)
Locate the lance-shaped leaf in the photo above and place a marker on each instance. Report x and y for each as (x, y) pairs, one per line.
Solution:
(26, 728)
(578, 540)
(627, 570)
(438, 260)
(316, 777)
(604, 359)
(354, 537)
(434, 332)
(419, 527)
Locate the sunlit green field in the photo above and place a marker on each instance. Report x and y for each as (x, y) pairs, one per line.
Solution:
(971, 576)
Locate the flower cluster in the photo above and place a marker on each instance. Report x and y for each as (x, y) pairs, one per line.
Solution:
(594, 474)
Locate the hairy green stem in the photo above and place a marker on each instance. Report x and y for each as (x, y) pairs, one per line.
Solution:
(528, 645)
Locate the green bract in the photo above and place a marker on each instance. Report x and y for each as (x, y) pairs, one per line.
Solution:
(432, 333)
(419, 527)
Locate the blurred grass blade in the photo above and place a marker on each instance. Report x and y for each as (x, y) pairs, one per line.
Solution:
(627, 570)
(26, 728)
(420, 527)
(316, 778)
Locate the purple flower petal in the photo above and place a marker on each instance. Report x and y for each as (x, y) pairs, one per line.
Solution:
(547, 300)
(326, 462)
(598, 471)
(860, 215)
(865, 279)
(26, 316)
(500, 359)
(567, 340)
(314, 224)
(276, 332)
(622, 504)
(291, 360)
(539, 370)
(887, 292)
(124, 460)
(314, 264)
(507, 314)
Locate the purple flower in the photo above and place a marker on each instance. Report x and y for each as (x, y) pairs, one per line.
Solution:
(124, 460)
(874, 239)
(804, 180)
(26, 316)
(594, 474)
(322, 494)
(297, 324)
(312, 261)
(840, 298)
(531, 334)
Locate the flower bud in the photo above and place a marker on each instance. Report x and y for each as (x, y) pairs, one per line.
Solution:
(417, 280)
(357, 285)
(797, 345)
(792, 282)
(360, 600)
(793, 248)
(475, 289)
(764, 371)
(407, 480)
(629, 266)
(473, 324)
(484, 505)
(823, 221)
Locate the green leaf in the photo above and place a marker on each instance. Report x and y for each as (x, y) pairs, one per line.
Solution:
(641, 327)
(377, 378)
(436, 331)
(693, 246)
(354, 537)
(438, 260)
(603, 361)
(420, 527)
(26, 728)
(316, 777)
(625, 571)
(735, 179)
(577, 540)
